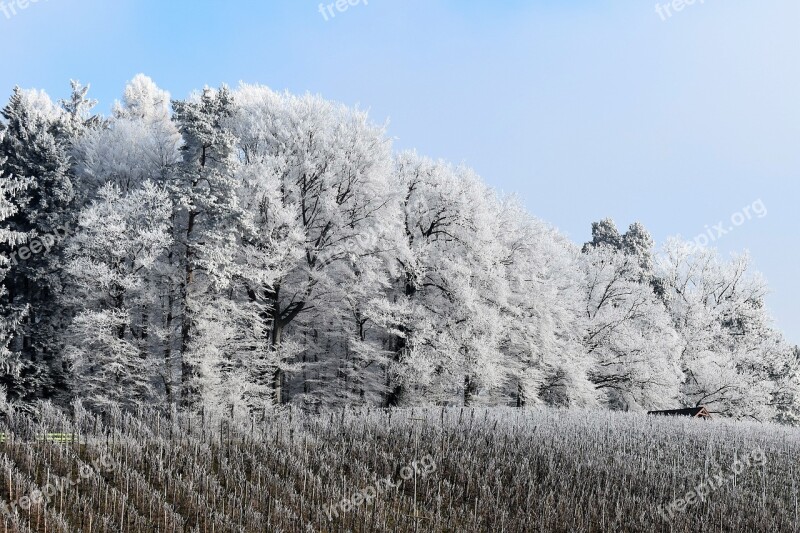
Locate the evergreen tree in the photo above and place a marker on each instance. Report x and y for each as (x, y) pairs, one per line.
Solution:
(15, 370)
(78, 108)
(36, 148)
(202, 189)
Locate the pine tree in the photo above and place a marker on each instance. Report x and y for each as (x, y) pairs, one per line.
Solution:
(36, 148)
(202, 188)
(636, 242)
(78, 108)
(14, 370)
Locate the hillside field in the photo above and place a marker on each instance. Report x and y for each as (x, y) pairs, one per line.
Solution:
(448, 470)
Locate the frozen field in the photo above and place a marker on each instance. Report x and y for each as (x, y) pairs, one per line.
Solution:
(424, 470)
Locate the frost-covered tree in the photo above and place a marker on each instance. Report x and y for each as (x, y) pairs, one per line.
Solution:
(629, 334)
(202, 188)
(544, 314)
(12, 368)
(787, 397)
(330, 170)
(450, 291)
(120, 237)
(79, 118)
(636, 242)
(604, 233)
(35, 147)
(730, 354)
(139, 142)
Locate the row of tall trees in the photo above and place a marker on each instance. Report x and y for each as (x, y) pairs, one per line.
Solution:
(243, 249)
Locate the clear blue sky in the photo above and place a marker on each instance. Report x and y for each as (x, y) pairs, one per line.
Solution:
(584, 109)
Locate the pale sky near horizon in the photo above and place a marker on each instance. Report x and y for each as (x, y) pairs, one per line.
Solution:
(584, 110)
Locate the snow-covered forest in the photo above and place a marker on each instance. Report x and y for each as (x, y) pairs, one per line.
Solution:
(245, 248)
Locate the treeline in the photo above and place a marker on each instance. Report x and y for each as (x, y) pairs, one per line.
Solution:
(242, 249)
